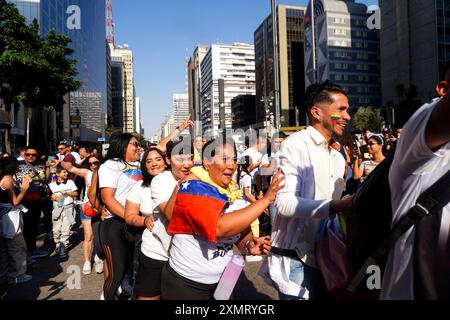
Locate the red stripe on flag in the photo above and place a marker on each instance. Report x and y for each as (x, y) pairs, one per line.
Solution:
(197, 215)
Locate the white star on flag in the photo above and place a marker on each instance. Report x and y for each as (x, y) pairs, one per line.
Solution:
(185, 185)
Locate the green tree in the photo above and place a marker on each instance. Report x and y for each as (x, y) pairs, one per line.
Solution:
(368, 118)
(33, 70)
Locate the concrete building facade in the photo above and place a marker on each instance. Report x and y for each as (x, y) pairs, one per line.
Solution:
(345, 50)
(233, 66)
(124, 117)
(291, 65)
(180, 103)
(415, 46)
(194, 84)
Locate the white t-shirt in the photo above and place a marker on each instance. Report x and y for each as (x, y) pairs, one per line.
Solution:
(255, 156)
(69, 186)
(156, 243)
(199, 260)
(414, 168)
(162, 187)
(77, 157)
(245, 182)
(120, 176)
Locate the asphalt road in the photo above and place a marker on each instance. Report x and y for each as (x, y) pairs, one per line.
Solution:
(56, 279)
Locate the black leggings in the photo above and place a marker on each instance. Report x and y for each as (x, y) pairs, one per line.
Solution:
(31, 222)
(118, 254)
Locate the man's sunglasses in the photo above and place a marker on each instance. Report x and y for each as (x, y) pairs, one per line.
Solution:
(31, 155)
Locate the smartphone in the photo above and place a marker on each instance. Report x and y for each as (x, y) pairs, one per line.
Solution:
(49, 158)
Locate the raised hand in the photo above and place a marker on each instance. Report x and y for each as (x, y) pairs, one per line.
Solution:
(274, 187)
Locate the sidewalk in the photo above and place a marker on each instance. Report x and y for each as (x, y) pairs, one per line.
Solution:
(56, 279)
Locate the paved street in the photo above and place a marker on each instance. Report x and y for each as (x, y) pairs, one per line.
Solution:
(51, 275)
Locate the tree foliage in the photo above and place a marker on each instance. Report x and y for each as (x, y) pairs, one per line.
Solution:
(367, 118)
(33, 70)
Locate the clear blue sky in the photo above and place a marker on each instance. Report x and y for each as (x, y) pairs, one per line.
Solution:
(160, 31)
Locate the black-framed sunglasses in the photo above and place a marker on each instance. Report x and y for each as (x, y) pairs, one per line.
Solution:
(95, 162)
(31, 155)
(136, 144)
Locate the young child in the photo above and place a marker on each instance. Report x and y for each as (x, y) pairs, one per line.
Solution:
(64, 192)
(245, 184)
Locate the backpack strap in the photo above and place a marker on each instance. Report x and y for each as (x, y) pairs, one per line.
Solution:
(429, 202)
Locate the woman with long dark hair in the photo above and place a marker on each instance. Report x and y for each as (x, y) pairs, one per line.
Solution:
(117, 175)
(139, 214)
(13, 251)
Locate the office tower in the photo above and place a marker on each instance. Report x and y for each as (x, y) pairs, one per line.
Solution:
(84, 22)
(415, 46)
(343, 50)
(180, 103)
(194, 81)
(226, 72)
(291, 66)
(124, 117)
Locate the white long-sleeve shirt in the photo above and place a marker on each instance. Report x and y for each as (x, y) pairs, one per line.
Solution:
(313, 177)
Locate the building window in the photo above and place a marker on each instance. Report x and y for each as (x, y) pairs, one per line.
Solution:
(341, 32)
(341, 66)
(363, 67)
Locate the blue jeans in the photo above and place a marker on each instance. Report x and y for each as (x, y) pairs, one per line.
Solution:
(296, 275)
(309, 278)
(313, 281)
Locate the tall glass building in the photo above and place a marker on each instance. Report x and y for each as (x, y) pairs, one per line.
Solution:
(83, 118)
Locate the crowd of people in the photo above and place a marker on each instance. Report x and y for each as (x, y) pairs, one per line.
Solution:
(168, 217)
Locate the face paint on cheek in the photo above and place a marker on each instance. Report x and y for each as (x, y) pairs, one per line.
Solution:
(336, 117)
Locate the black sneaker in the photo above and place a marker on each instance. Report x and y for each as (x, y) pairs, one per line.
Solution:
(62, 251)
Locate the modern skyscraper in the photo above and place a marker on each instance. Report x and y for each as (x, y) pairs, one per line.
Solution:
(226, 72)
(243, 108)
(415, 45)
(291, 66)
(84, 22)
(138, 128)
(117, 89)
(122, 70)
(345, 50)
(180, 102)
(194, 81)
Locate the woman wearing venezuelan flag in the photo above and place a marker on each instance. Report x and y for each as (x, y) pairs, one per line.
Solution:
(207, 217)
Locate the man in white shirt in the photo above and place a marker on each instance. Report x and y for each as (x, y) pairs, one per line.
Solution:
(418, 266)
(314, 182)
(255, 152)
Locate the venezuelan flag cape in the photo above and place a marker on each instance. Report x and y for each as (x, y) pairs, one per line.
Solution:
(197, 209)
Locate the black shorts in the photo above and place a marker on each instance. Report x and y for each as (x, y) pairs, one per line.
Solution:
(148, 277)
(177, 287)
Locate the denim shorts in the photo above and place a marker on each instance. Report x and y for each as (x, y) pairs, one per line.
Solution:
(84, 217)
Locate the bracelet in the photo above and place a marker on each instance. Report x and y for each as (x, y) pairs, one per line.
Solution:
(247, 248)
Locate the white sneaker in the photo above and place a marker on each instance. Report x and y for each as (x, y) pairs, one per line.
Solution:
(98, 265)
(87, 267)
(253, 258)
